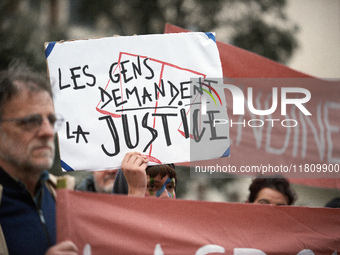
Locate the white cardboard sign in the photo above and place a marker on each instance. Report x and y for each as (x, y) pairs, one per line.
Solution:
(136, 93)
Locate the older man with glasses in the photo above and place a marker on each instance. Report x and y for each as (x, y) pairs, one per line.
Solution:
(27, 128)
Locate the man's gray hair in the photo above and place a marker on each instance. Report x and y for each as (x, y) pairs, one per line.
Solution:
(19, 76)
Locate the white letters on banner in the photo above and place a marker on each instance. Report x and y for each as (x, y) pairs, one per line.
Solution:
(212, 248)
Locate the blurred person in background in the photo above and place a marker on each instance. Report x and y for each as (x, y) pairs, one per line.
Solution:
(98, 181)
(271, 190)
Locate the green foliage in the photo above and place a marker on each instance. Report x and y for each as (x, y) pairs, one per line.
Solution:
(23, 35)
(260, 26)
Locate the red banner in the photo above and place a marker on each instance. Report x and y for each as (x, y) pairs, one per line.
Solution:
(114, 224)
(307, 153)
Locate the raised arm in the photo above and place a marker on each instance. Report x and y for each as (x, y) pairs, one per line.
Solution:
(133, 168)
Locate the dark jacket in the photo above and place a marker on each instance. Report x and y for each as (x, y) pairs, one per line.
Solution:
(87, 184)
(28, 224)
(120, 185)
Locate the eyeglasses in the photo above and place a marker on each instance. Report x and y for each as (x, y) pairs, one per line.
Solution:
(33, 122)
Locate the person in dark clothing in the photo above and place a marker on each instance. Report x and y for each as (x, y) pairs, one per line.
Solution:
(334, 203)
(27, 128)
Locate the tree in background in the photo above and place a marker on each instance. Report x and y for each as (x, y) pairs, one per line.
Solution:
(23, 32)
(260, 26)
